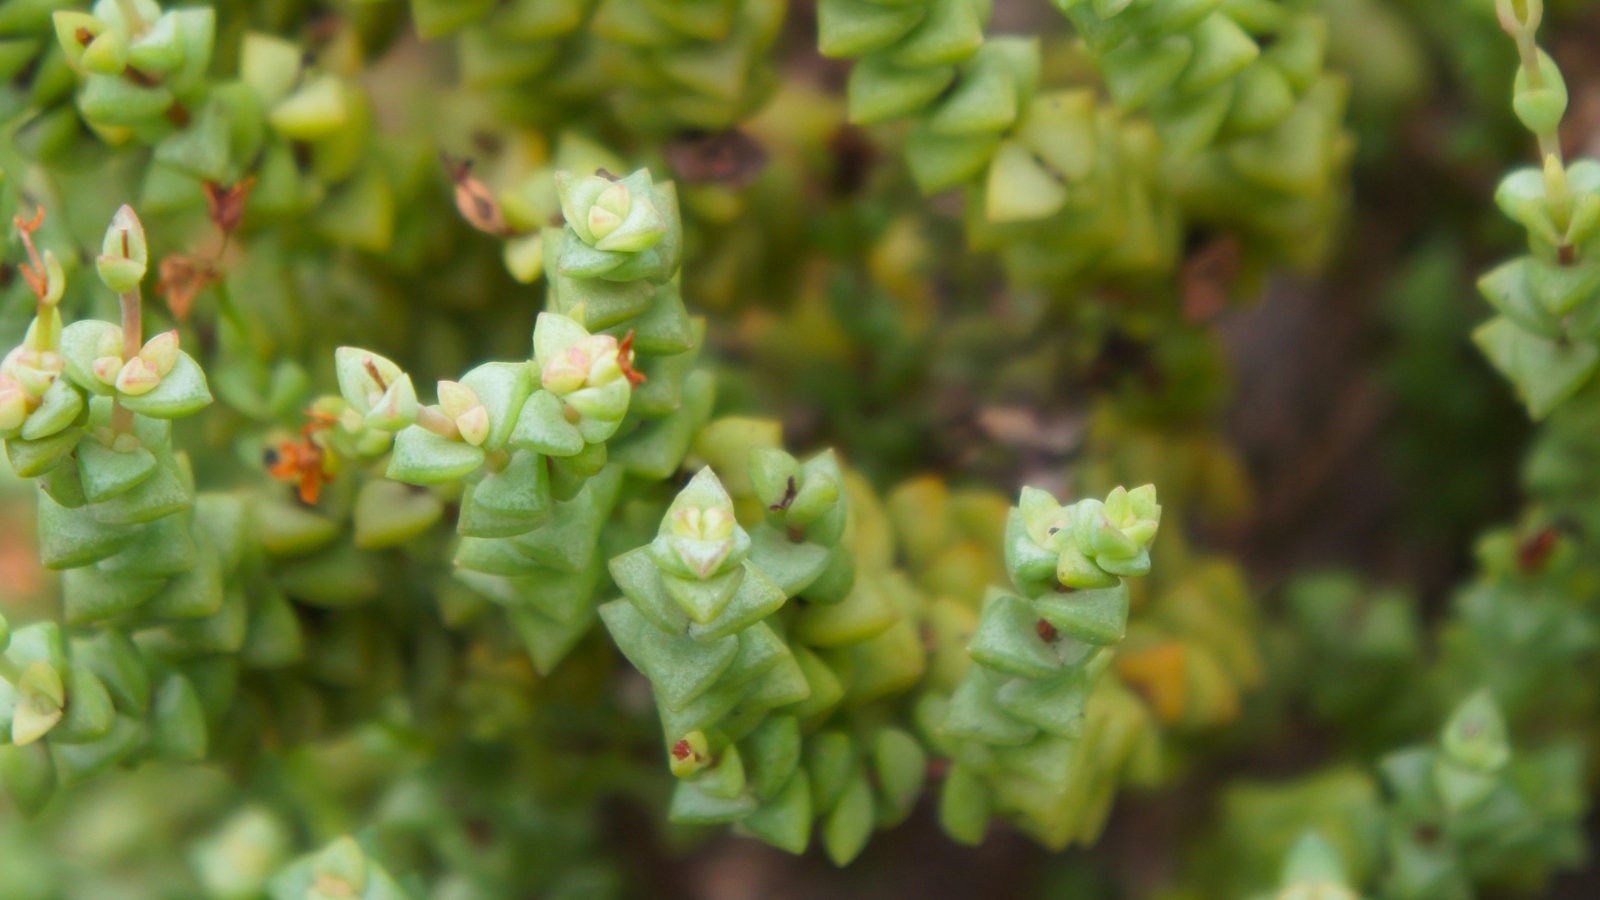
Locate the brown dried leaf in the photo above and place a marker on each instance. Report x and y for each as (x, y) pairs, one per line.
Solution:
(474, 200)
(182, 278)
(225, 205)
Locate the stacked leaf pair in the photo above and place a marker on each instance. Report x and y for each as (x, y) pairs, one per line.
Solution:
(1468, 810)
(697, 620)
(1524, 621)
(1025, 717)
(665, 65)
(693, 622)
(952, 543)
(1046, 171)
(927, 59)
(1545, 336)
(547, 576)
(945, 537)
(751, 688)
(117, 501)
(613, 269)
(1242, 104)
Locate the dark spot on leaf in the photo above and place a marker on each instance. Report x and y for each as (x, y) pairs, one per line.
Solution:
(789, 491)
(1047, 632)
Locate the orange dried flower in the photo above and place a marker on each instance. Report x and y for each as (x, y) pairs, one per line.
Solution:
(304, 460)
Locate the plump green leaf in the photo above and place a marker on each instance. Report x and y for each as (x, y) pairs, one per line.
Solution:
(679, 667)
(846, 828)
(784, 820)
(964, 806)
(1544, 372)
(388, 514)
(88, 707)
(106, 472)
(422, 457)
(29, 776)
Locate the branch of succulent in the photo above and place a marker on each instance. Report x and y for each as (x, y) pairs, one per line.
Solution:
(1470, 810)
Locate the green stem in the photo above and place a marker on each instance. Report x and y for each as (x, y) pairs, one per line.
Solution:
(1558, 192)
(497, 460)
(132, 341)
